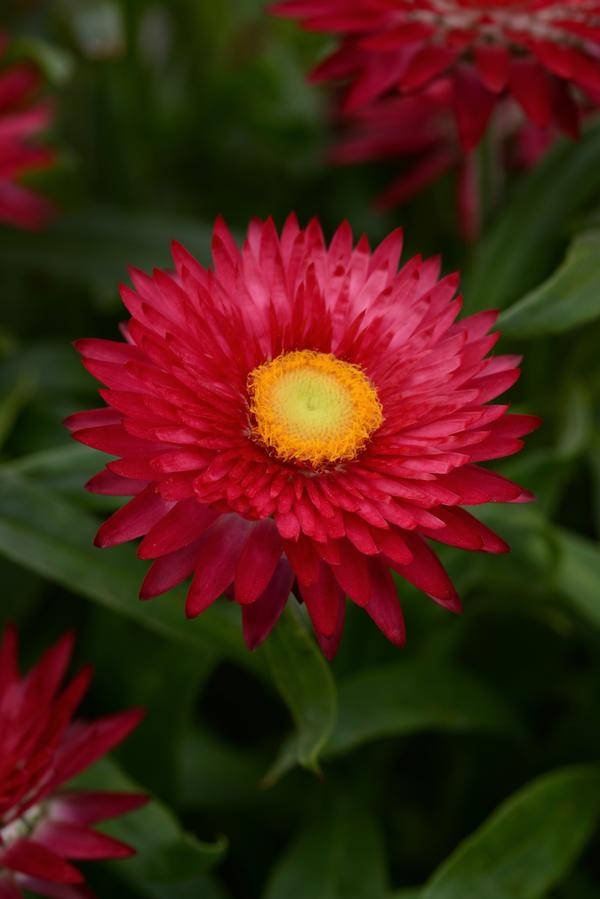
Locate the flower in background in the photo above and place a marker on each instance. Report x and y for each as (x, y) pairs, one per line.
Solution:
(303, 417)
(43, 825)
(544, 54)
(22, 118)
(419, 131)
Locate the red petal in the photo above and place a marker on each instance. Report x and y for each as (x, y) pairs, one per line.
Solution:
(217, 559)
(531, 87)
(136, 518)
(29, 857)
(90, 807)
(257, 561)
(259, 617)
(352, 574)
(178, 528)
(77, 842)
(427, 573)
(384, 605)
(323, 600)
(473, 105)
(493, 62)
(431, 61)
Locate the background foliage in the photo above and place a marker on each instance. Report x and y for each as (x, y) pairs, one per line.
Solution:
(466, 765)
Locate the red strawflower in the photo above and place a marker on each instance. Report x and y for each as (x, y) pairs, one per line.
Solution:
(22, 117)
(303, 416)
(420, 131)
(43, 826)
(543, 53)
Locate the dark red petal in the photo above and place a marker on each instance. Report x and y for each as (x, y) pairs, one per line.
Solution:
(134, 519)
(260, 617)
(427, 573)
(352, 574)
(258, 559)
(79, 807)
(216, 563)
(323, 600)
(493, 62)
(179, 527)
(29, 857)
(531, 87)
(473, 104)
(75, 841)
(384, 605)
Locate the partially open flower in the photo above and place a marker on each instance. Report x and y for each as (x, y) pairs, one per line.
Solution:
(304, 416)
(545, 54)
(22, 118)
(45, 826)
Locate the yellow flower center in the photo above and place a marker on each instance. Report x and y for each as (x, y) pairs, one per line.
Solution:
(312, 407)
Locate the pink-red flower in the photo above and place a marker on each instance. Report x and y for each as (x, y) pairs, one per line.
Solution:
(419, 132)
(45, 826)
(22, 118)
(544, 54)
(305, 416)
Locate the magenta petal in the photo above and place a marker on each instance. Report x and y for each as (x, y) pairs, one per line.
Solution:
(90, 807)
(384, 605)
(216, 563)
(260, 617)
(78, 842)
(29, 857)
(134, 519)
(257, 561)
(8, 888)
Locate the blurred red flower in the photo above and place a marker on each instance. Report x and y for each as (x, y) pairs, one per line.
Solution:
(22, 117)
(43, 826)
(545, 54)
(419, 131)
(303, 416)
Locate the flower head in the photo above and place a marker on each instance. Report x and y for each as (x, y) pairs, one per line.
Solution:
(419, 132)
(303, 416)
(22, 117)
(545, 54)
(43, 825)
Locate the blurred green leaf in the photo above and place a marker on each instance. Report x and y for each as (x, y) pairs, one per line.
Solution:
(165, 852)
(44, 532)
(519, 249)
(578, 573)
(96, 247)
(57, 64)
(528, 844)
(338, 856)
(11, 404)
(304, 679)
(409, 697)
(570, 298)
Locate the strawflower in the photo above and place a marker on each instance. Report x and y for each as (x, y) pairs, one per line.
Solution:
(419, 133)
(544, 54)
(45, 826)
(303, 417)
(22, 118)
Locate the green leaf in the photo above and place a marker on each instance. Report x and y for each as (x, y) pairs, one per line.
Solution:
(409, 697)
(519, 250)
(96, 247)
(165, 852)
(570, 298)
(528, 844)
(45, 533)
(338, 856)
(578, 573)
(304, 679)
